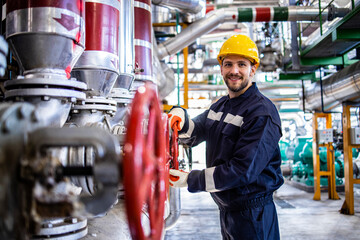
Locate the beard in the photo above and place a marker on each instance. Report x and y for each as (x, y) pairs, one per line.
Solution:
(236, 87)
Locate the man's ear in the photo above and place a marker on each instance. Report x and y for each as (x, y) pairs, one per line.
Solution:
(252, 70)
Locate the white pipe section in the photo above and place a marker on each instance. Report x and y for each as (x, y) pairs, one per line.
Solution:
(187, 6)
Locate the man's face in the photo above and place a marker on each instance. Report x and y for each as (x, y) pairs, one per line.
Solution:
(237, 72)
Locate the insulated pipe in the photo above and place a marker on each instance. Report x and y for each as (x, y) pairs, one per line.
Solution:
(188, 35)
(126, 47)
(126, 38)
(143, 42)
(188, 6)
(57, 25)
(175, 208)
(340, 87)
(262, 14)
(98, 66)
(211, 7)
(47, 38)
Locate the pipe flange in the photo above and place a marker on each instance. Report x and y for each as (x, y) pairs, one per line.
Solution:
(121, 95)
(45, 82)
(97, 104)
(63, 228)
(46, 93)
(51, 86)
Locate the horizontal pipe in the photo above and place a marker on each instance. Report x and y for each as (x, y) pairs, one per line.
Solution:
(188, 35)
(189, 6)
(264, 87)
(339, 87)
(219, 16)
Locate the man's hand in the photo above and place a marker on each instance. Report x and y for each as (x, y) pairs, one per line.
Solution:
(177, 116)
(178, 178)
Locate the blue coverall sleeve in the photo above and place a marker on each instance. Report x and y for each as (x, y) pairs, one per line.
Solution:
(194, 130)
(252, 156)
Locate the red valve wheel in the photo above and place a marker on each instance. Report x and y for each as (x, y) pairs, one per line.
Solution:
(144, 165)
(168, 157)
(175, 147)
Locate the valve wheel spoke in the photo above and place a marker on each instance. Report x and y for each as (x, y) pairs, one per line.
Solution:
(144, 164)
(175, 148)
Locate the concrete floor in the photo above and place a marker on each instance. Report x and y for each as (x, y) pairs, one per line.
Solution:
(300, 217)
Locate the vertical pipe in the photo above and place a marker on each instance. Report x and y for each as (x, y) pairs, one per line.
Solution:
(143, 43)
(178, 57)
(175, 207)
(31, 22)
(126, 46)
(98, 66)
(186, 80)
(126, 38)
(320, 19)
(303, 94)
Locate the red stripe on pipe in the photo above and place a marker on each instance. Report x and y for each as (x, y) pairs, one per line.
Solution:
(209, 8)
(263, 15)
(72, 5)
(148, 2)
(143, 56)
(143, 31)
(142, 24)
(102, 28)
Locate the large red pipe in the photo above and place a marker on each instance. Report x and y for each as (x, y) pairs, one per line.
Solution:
(102, 27)
(98, 66)
(143, 39)
(74, 6)
(59, 22)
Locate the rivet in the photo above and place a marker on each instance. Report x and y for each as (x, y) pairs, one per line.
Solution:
(34, 116)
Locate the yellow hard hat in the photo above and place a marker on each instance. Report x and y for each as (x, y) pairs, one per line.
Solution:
(239, 45)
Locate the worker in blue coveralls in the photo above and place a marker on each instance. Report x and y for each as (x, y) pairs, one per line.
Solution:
(242, 131)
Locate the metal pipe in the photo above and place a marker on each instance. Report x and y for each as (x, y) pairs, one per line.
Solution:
(340, 87)
(175, 208)
(211, 21)
(126, 38)
(164, 75)
(143, 43)
(219, 16)
(120, 91)
(107, 157)
(98, 65)
(187, 6)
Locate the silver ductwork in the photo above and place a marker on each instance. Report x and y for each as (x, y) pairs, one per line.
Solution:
(339, 87)
(126, 46)
(47, 39)
(98, 66)
(165, 76)
(186, 6)
(232, 15)
(211, 21)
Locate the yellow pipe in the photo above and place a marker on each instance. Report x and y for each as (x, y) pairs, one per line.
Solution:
(186, 79)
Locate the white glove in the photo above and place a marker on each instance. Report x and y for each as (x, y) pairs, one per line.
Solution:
(178, 178)
(177, 115)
